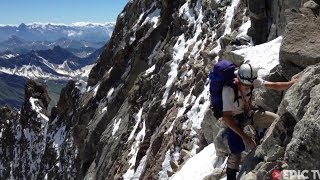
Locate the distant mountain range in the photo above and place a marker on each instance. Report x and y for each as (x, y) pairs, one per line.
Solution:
(52, 32)
(81, 48)
(50, 53)
(54, 67)
(51, 64)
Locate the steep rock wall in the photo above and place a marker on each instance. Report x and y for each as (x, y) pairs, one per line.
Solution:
(142, 114)
(291, 142)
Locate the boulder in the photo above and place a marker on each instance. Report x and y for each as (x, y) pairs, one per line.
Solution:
(225, 41)
(313, 6)
(287, 71)
(279, 20)
(209, 126)
(300, 45)
(174, 165)
(233, 57)
(303, 152)
(298, 97)
(221, 142)
(217, 174)
(185, 155)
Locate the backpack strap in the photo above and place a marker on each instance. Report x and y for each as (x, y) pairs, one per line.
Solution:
(236, 92)
(250, 94)
(237, 97)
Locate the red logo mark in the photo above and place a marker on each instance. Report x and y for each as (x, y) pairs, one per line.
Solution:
(276, 175)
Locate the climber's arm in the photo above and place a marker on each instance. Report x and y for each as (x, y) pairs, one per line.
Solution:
(279, 86)
(232, 124)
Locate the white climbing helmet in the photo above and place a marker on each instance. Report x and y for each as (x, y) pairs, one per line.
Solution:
(247, 74)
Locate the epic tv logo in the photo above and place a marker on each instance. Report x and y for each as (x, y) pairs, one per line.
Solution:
(300, 174)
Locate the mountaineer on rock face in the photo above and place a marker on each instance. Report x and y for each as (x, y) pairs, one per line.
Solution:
(236, 109)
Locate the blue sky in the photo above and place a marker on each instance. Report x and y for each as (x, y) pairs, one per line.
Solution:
(60, 11)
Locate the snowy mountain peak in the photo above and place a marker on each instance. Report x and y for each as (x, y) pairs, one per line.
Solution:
(90, 24)
(51, 32)
(50, 24)
(22, 26)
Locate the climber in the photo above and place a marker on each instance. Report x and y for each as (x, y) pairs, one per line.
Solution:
(238, 112)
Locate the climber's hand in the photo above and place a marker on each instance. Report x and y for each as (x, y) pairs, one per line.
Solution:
(296, 77)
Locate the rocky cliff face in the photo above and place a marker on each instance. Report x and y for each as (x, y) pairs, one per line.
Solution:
(25, 138)
(35, 145)
(291, 142)
(145, 111)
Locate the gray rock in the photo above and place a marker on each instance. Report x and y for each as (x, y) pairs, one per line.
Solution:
(174, 165)
(209, 126)
(210, 4)
(233, 57)
(287, 71)
(303, 152)
(273, 156)
(225, 41)
(249, 176)
(215, 132)
(272, 32)
(170, 173)
(278, 134)
(251, 160)
(185, 155)
(205, 28)
(221, 143)
(198, 88)
(293, 137)
(313, 6)
(217, 174)
(279, 20)
(301, 49)
(298, 96)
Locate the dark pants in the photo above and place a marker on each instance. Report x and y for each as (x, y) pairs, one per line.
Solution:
(235, 142)
(262, 120)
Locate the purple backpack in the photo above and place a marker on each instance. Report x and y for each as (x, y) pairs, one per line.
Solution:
(221, 75)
